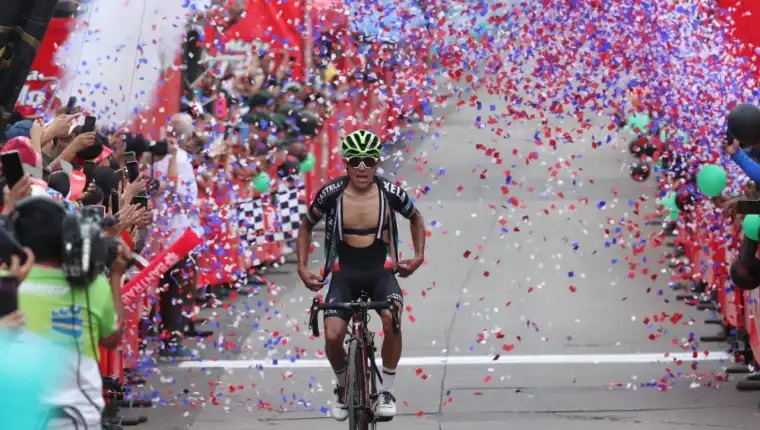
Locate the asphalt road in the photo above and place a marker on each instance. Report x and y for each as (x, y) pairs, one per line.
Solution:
(539, 309)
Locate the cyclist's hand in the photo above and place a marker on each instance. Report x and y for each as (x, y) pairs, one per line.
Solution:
(407, 267)
(312, 281)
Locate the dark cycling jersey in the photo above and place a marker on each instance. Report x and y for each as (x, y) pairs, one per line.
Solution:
(328, 203)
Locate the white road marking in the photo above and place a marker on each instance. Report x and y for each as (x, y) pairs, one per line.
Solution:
(473, 360)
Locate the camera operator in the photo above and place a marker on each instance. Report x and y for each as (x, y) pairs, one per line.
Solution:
(177, 204)
(66, 299)
(745, 270)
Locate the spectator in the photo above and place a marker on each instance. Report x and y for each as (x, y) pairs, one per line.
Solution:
(78, 317)
(177, 204)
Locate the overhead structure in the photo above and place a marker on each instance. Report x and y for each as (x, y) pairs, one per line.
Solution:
(23, 23)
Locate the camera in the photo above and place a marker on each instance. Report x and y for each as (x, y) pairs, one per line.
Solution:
(87, 252)
(159, 148)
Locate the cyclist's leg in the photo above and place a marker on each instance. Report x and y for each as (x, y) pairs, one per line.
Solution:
(386, 287)
(335, 334)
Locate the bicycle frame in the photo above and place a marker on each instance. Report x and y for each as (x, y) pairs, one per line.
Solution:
(366, 338)
(358, 332)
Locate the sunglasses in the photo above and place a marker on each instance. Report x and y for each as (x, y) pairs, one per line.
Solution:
(366, 162)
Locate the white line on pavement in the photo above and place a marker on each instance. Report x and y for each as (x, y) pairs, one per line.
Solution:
(472, 360)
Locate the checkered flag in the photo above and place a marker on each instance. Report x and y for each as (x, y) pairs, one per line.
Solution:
(291, 206)
(251, 225)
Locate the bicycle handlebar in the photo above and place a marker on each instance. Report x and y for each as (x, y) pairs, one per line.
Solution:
(316, 306)
(355, 306)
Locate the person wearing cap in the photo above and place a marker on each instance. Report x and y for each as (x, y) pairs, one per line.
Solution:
(71, 146)
(177, 204)
(27, 154)
(263, 101)
(78, 317)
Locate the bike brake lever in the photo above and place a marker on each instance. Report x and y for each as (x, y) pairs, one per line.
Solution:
(313, 320)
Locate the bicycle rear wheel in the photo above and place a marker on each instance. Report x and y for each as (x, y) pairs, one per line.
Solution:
(357, 414)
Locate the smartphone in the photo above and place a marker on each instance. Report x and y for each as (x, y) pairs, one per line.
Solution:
(70, 105)
(130, 157)
(133, 171)
(100, 210)
(8, 295)
(748, 207)
(120, 174)
(89, 124)
(141, 200)
(13, 170)
(89, 170)
(159, 148)
(114, 202)
(152, 186)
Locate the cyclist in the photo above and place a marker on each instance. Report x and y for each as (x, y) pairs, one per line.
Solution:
(361, 246)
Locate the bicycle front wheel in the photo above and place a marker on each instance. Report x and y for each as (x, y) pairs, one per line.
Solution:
(356, 383)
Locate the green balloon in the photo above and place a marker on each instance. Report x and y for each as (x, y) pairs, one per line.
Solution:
(669, 203)
(711, 180)
(261, 182)
(751, 225)
(308, 164)
(639, 122)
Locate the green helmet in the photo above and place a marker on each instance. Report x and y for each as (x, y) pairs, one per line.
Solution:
(361, 143)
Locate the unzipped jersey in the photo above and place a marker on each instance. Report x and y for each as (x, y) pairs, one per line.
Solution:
(329, 201)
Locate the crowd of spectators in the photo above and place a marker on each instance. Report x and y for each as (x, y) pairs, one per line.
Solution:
(134, 195)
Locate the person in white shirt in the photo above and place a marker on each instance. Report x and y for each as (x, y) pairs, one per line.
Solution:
(176, 203)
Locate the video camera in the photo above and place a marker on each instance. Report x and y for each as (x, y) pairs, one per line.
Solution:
(86, 251)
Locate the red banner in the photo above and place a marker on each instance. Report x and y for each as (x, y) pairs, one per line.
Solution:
(266, 25)
(160, 264)
(744, 14)
(37, 95)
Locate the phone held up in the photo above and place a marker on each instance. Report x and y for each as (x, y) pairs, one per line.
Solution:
(71, 105)
(89, 124)
(13, 170)
(99, 210)
(130, 162)
(141, 200)
(114, 203)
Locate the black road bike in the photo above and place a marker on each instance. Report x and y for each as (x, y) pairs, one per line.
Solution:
(362, 374)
